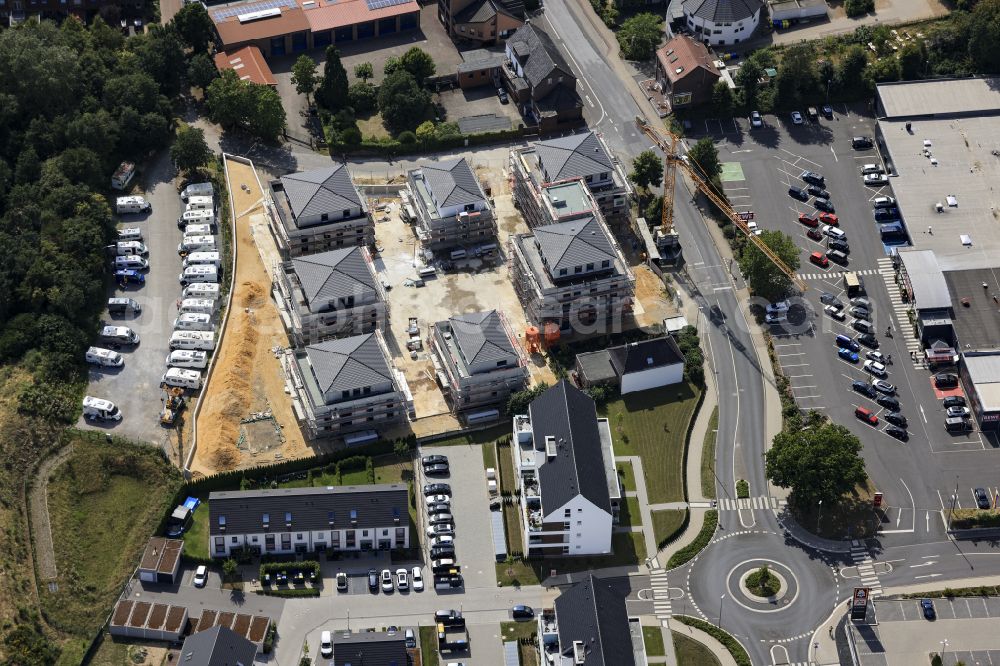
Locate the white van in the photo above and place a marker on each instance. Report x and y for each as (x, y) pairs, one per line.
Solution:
(101, 356)
(201, 290)
(199, 230)
(122, 335)
(125, 248)
(125, 205)
(200, 203)
(202, 340)
(207, 258)
(130, 234)
(198, 190)
(131, 261)
(98, 408)
(121, 306)
(196, 244)
(196, 217)
(193, 321)
(193, 274)
(197, 305)
(182, 377)
(187, 358)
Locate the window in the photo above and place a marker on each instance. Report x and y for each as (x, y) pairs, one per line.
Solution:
(288, 518)
(562, 271)
(577, 269)
(579, 522)
(220, 544)
(253, 539)
(347, 212)
(590, 267)
(222, 523)
(568, 513)
(605, 175)
(590, 179)
(324, 218)
(606, 263)
(266, 520)
(236, 540)
(354, 516)
(502, 363)
(286, 541)
(330, 515)
(298, 537)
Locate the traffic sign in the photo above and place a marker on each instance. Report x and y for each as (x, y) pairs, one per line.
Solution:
(877, 500)
(747, 216)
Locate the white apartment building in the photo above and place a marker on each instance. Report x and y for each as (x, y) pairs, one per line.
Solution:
(452, 210)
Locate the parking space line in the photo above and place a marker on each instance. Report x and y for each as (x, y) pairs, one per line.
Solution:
(799, 388)
(796, 376)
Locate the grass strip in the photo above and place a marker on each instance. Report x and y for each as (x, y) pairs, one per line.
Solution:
(652, 637)
(690, 651)
(704, 537)
(708, 456)
(429, 646)
(742, 489)
(668, 524)
(724, 637)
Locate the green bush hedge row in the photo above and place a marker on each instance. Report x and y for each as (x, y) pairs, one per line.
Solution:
(735, 649)
(291, 568)
(413, 144)
(290, 591)
(704, 537)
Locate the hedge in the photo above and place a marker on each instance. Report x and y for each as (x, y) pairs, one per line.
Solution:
(687, 553)
(290, 592)
(291, 568)
(738, 652)
(951, 593)
(392, 147)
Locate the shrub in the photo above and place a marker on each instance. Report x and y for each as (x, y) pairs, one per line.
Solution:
(363, 97)
(407, 138)
(731, 644)
(704, 537)
(854, 8)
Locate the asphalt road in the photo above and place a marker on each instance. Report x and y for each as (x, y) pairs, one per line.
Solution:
(135, 387)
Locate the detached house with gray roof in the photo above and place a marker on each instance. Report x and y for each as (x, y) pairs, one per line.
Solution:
(348, 385)
(329, 295)
(585, 156)
(587, 625)
(565, 461)
(722, 22)
(452, 210)
(478, 361)
(285, 521)
(218, 646)
(481, 21)
(540, 80)
(319, 210)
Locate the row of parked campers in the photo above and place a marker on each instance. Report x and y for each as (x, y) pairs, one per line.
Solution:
(126, 205)
(197, 244)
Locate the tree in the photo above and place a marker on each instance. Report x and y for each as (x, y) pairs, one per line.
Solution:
(647, 169)
(419, 64)
(704, 158)
(796, 80)
(236, 103)
(229, 569)
(912, 60)
(519, 401)
(748, 81)
(304, 76)
(851, 68)
(363, 97)
(194, 26)
(401, 448)
(722, 99)
(227, 99)
(762, 276)
(854, 8)
(402, 102)
(639, 36)
(201, 70)
(653, 212)
(266, 116)
(392, 65)
(332, 91)
(819, 464)
(364, 71)
(984, 33)
(189, 150)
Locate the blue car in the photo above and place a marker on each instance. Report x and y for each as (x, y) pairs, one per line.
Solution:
(844, 342)
(848, 355)
(127, 276)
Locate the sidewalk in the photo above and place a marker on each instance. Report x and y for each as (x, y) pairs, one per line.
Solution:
(720, 652)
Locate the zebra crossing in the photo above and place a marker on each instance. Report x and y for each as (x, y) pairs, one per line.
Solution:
(661, 594)
(727, 504)
(903, 324)
(866, 568)
(836, 275)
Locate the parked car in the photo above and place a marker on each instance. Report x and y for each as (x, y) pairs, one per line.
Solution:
(386, 579)
(417, 579)
(888, 402)
(796, 118)
(896, 419)
(819, 259)
(829, 218)
(827, 111)
(341, 581)
(883, 202)
(839, 246)
(442, 529)
(449, 618)
(437, 468)
(945, 380)
(325, 645)
(502, 94)
(815, 234)
(833, 232)
(954, 401)
(957, 412)
(983, 498)
(875, 368)
(129, 276)
(433, 460)
(438, 518)
(824, 204)
(871, 168)
(798, 193)
(522, 612)
(402, 582)
(846, 342)
(808, 220)
(373, 580)
(200, 576)
(862, 302)
(885, 214)
(897, 432)
(444, 550)
(438, 499)
(927, 606)
(866, 415)
(756, 120)
(848, 355)
(861, 143)
(829, 299)
(812, 178)
(884, 387)
(868, 340)
(875, 356)
(818, 192)
(438, 507)
(441, 540)
(864, 388)
(875, 179)
(437, 489)
(859, 312)
(838, 314)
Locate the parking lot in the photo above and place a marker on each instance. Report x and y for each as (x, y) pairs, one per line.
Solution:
(759, 166)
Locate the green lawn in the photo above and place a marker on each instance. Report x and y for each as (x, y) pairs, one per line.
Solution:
(690, 651)
(506, 471)
(629, 514)
(104, 503)
(653, 425)
(666, 524)
(475, 437)
(429, 646)
(489, 456)
(512, 526)
(652, 637)
(196, 537)
(512, 631)
(627, 476)
(742, 489)
(708, 456)
(628, 548)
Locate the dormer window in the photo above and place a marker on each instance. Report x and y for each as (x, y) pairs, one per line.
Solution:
(266, 520)
(562, 271)
(354, 516)
(395, 515)
(330, 517)
(288, 519)
(222, 523)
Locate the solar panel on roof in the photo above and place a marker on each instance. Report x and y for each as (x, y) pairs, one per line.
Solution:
(250, 7)
(382, 4)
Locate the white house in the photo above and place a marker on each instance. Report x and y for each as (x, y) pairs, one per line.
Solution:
(721, 22)
(305, 520)
(636, 366)
(566, 471)
(451, 208)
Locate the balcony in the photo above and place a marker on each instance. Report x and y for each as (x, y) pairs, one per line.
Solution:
(533, 519)
(530, 488)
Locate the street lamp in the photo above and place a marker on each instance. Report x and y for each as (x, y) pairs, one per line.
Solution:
(954, 498)
(819, 515)
(720, 609)
(828, 90)
(944, 648)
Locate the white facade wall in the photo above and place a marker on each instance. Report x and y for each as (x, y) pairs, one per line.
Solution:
(590, 527)
(331, 216)
(310, 540)
(652, 378)
(717, 34)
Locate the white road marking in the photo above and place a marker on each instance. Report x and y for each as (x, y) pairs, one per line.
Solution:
(834, 155)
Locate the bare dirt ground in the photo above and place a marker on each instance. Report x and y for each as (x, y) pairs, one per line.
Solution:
(38, 505)
(652, 303)
(248, 378)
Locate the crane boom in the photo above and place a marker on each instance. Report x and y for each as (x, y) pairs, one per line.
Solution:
(667, 142)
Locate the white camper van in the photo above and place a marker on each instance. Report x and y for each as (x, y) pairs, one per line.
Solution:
(193, 321)
(98, 408)
(125, 248)
(131, 261)
(187, 358)
(201, 290)
(200, 203)
(197, 305)
(198, 190)
(196, 217)
(196, 244)
(205, 258)
(200, 340)
(183, 378)
(106, 357)
(198, 274)
(122, 335)
(130, 234)
(125, 205)
(199, 230)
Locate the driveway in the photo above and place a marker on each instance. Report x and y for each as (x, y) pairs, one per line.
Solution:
(135, 386)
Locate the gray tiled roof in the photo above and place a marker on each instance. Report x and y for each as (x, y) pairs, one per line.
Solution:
(477, 12)
(218, 646)
(481, 337)
(722, 11)
(537, 54)
(375, 506)
(348, 363)
(339, 273)
(321, 191)
(569, 415)
(593, 612)
(477, 59)
(377, 647)
(452, 183)
(574, 156)
(574, 243)
(639, 356)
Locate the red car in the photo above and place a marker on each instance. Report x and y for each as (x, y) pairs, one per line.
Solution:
(815, 234)
(866, 416)
(829, 218)
(808, 221)
(819, 259)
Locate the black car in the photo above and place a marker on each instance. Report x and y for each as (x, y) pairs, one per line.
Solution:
(839, 245)
(927, 606)
(521, 612)
(896, 419)
(945, 380)
(433, 460)
(824, 205)
(373, 580)
(449, 618)
(861, 143)
(829, 299)
(439, 507)
(885, 214)
(868, 340)
(447, 580)
(982, 498)
(798, 193)
(813, 178)
(954, 401)
(437, 468)
(827, 111)
(437, 489)
(864, 388)
(888, 402)
(444, 550)
(837, 257)
(898, 433)
(818, 192)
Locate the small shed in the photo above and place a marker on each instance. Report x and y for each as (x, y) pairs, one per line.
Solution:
(479, 68)
(499, 538)
(161, 561)
(148, 621)
(793, 11)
